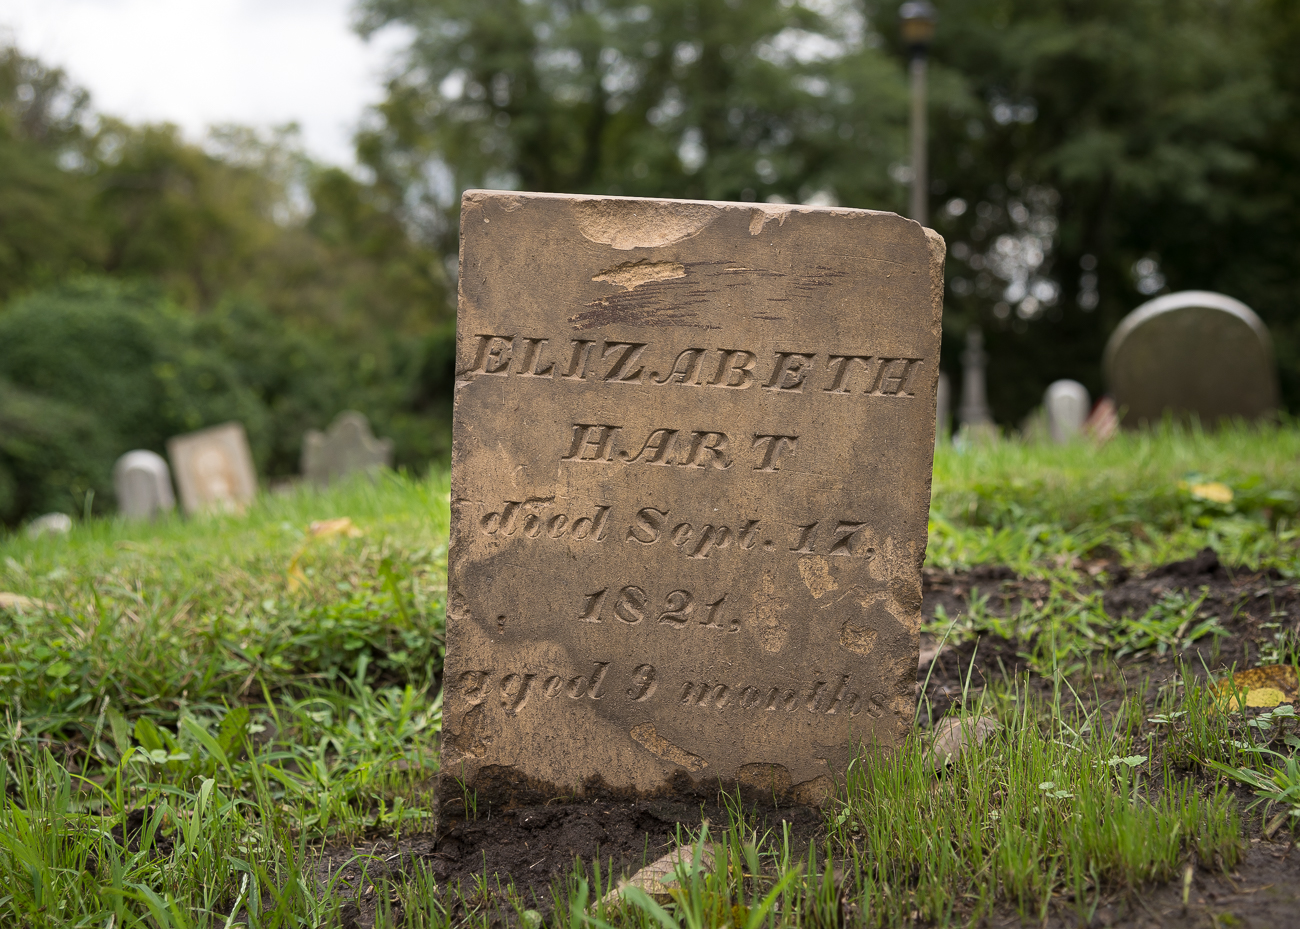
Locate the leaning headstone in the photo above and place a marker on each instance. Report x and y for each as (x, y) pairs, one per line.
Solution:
(214, 469)
(974, 412)
(1193, 353)
(690, 483)
(1103, 422)
(49, 524)
(348, 445)
(143, 485)
(1067, 404)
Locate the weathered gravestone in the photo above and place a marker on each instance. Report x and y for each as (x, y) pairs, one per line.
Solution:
(1067, 405)
(143, 485)
(1191, 353)
(347, 446)
(214, 469)
(690, 484)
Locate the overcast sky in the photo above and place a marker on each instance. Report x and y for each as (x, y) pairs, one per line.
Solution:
(198, 62)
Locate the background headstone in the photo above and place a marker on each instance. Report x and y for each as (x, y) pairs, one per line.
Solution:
(690, 483)
(1067, 404)
(974, 410)
(214, 469)
(943, 407)
(49, 524)
(1103, 421)
(143, 485)
(348, 445)
(1191, 353)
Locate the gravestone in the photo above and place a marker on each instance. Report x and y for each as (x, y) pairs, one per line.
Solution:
(1067, 404)
(348, 445)
(143, 485)
(1103, 422)
(943, 407)
(690, 483)
(49, 524)
(214, 469)
(974, 412)
(1193, 353)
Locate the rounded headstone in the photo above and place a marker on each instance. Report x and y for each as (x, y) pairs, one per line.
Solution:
(49, 524)
(1192, 353)
(1067, 404)
(143, 484)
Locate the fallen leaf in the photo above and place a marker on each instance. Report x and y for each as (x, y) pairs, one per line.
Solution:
(324, 528)
(954, 735)
(1265, 686)
(10, 601)
(659, 878)
(1265, 697)
(1214, 491)
(320, 529)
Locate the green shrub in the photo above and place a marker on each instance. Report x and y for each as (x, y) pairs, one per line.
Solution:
(92, 369)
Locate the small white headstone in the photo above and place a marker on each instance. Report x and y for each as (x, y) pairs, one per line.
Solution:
(214, 469)
(49, 524)
(348, 446)
(143, 484)
(1067, 404)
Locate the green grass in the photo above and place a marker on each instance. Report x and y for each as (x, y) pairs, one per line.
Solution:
(239, 690)
(1040, 508)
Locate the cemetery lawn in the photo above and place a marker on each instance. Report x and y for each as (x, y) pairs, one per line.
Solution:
(234, 721)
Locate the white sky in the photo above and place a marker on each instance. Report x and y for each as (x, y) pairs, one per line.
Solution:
(200, 62)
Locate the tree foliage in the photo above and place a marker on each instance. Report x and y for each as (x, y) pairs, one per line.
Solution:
(1086, 154)
(713, 99)
(150, 286)
(1113, 148)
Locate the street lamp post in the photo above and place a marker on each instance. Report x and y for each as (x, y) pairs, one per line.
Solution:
(917, 19)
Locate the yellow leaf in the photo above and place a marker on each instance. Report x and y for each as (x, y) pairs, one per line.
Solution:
(1265, 697)
(1214, 491)
(324, 528)
(1261, 684)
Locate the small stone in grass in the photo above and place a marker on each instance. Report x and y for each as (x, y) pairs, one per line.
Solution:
(953, 736)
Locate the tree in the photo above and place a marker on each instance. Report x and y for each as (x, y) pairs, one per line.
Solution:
(717, 99)
(1110, 157)
(44, 197)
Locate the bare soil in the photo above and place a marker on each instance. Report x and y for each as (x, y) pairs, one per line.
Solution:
(535, 847)
(1244, 602)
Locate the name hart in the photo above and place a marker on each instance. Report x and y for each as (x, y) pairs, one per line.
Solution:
(723, 368)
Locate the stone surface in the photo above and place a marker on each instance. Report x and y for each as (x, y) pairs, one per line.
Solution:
(214, 469)
(143, 485)
(974, 410)
(690, 483)
(348, 445)
(1067, 404)
(1191, 353)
